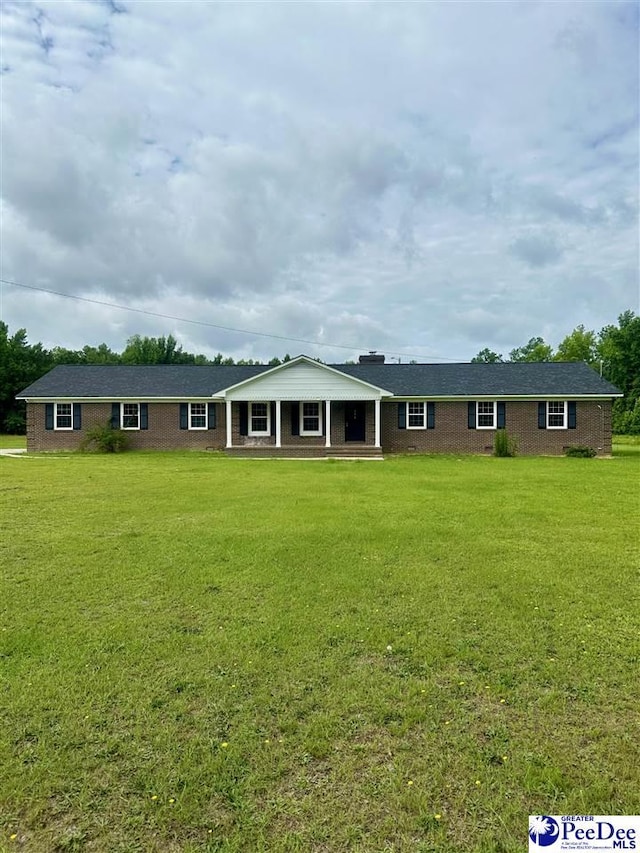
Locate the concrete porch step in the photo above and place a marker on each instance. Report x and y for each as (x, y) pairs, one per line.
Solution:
(359, 450)
(291, 451)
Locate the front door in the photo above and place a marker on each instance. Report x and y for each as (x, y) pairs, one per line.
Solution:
(354, 421)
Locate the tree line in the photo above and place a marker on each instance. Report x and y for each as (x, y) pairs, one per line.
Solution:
(614, 352)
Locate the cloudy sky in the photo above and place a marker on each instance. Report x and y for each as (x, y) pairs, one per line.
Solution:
(424, 179)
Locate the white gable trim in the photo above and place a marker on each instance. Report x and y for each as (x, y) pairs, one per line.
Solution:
(248, 388)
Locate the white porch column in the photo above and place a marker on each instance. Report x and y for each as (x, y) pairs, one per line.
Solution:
(377, 421)
(278, 423)
(327, 423)
(229, 425)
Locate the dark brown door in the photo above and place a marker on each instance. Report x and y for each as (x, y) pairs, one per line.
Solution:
(354, 421)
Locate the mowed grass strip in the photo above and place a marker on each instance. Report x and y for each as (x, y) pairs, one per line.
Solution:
(12, 441)
(626, 445)
(200, 653)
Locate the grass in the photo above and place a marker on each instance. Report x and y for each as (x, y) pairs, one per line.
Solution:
(210, 654)
(626, 445)
(11, 441)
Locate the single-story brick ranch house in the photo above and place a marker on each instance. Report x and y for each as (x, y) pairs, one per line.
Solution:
(306, 408)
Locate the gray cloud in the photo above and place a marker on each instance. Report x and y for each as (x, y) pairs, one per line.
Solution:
(537, 250)
(397, 175)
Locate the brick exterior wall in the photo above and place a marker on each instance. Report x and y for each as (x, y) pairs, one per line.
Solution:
(451, 434)
(164, 431)
(248, 440)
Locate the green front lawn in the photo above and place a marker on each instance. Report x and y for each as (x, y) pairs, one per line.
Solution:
(626, 445)
(11, 441)
(200, 653)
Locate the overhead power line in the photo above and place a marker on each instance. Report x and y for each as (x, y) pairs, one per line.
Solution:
(209, 325)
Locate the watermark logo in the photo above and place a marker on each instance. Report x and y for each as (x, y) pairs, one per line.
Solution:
(584, 833)
(543, 830)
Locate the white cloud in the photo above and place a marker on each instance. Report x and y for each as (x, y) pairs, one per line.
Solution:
(423, 178)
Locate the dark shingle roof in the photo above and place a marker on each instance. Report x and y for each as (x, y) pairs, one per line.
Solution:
(144, 381)
(402, 380)
(466, 380)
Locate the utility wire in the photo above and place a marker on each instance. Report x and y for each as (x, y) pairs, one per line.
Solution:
(213, 325)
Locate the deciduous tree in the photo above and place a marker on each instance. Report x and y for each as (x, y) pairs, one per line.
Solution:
(536, 349)
(580, 345)
(487, 356)
(619, 349)
(20, 364)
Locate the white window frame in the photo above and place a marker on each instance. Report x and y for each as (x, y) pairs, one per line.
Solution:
(492, 403)
(565, 414)
(199, 415)
(122, 416)
(304, 431)
(259, 432)
(410, 414)
(57, 415)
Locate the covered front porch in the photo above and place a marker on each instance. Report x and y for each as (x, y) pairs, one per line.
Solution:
(303, 408)
(302, 428)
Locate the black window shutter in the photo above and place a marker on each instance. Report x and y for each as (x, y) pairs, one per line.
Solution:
(571, 408)
(502, 416)
(244, 418)
(322, 412)
(48, 415)
(542, 415)
(211, 410)
(184, 416)
(115, 416)
(402, 415)
(431, 415)
(144, 416)
(77, 416)
(273, 418)
(295, 419)
(471, 414)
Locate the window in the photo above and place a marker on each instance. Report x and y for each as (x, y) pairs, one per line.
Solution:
(197, 415)
(556, 414)
(310, 419)
(422, 415)
(259, 419)
(130, 416)
(416, 415)
(64, 416)
(486, 415)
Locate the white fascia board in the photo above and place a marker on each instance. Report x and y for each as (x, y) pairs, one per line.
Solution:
(304, 359)
(506, 397)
